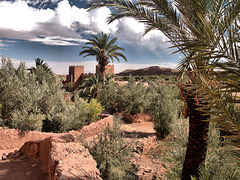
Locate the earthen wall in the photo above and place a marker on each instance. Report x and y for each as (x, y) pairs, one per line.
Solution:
(108, 69)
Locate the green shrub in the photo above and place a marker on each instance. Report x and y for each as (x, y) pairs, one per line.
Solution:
(134, 97)
(162, 106)
(179, 146)
(27, 121)
(94, 109)
(129, 98)
(112, 154)
(108, 96)
(73, 115)
(219, 163)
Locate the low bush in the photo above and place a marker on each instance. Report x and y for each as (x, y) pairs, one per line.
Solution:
(94, 108)
(27, 121)
(112, 154)
(219, 163)
(73, 116)
(162, 106)
(128, 98)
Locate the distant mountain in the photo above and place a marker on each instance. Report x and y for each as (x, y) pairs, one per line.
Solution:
(149, 71)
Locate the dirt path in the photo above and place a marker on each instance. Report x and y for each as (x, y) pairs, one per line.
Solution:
(21, 169)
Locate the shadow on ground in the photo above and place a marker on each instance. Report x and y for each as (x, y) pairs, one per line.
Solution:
(21, 169)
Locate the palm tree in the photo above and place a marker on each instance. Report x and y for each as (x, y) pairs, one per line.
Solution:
(91, 85)
(40, 64)
(103, 48)
(42, 71)
(205, 31)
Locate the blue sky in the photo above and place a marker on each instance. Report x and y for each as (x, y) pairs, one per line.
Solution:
(56, 30)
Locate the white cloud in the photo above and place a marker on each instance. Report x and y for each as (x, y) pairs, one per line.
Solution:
(68, 15)
(59, 41)
(18, 16)
(67, 24)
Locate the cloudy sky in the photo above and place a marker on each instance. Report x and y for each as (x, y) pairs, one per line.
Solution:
(56, 30)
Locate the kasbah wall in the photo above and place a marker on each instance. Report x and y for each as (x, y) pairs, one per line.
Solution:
(76, 74)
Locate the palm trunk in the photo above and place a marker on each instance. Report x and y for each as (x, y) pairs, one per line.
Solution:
(197, 139)
(102, 62)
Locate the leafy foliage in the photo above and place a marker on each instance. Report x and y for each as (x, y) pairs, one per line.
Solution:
(112, 154)
(160, 101)
(42, 71)
(128, 98)
(91, 85)
(162, 106)
(27, 104)
(103, 48)
(94, 109)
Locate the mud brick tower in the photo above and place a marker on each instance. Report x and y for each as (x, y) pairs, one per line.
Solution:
(109, 69)
(76, 75)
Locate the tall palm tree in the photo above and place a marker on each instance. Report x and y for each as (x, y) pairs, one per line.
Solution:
(203, 31)
(103, 48)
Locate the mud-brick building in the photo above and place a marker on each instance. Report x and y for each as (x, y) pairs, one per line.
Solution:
(76, 75)
(108, 69)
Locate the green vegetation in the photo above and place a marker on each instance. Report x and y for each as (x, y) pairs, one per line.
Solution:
(206, 32)
(103, 48)
(30, 104)
(220, 164)
(160, 101)
(163, 106)
(162, 78)
(112, 154)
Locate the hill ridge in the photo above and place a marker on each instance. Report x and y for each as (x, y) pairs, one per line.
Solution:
(149, 71)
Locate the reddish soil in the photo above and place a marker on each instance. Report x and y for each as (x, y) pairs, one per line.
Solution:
(22, 168)
(66, 152)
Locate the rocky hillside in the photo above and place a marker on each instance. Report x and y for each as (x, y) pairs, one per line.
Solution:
(149, 71)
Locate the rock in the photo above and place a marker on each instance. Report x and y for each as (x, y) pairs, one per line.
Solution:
(62, 159)
(17, 154)
(4, 156)
(10, 155)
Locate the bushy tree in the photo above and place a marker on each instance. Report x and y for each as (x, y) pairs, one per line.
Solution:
(129, 98)
(162, 105)
(19, 96)
(28, 104)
